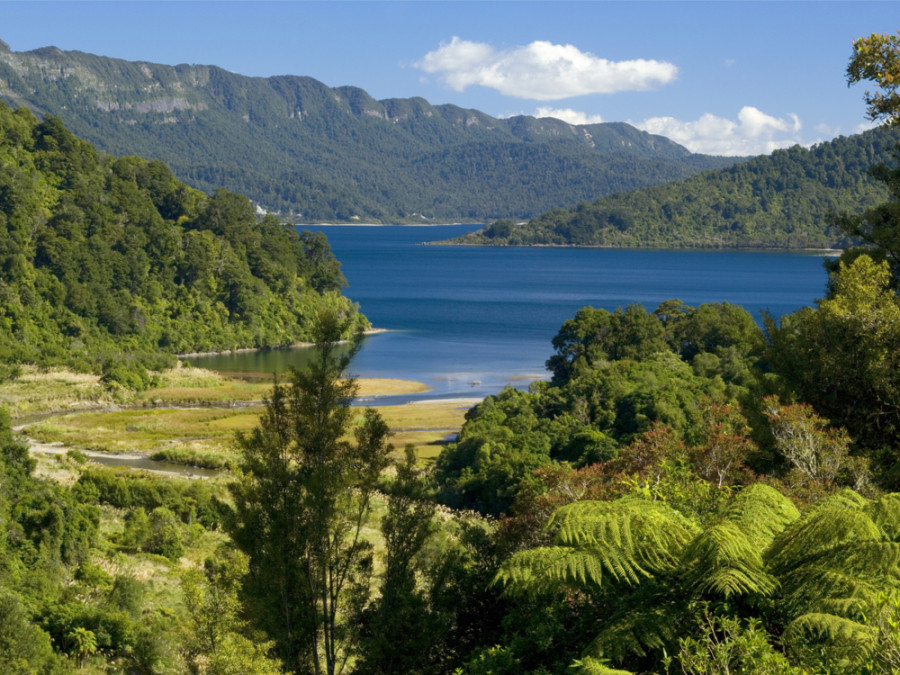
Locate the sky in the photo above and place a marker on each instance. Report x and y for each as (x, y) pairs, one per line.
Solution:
(724, 78)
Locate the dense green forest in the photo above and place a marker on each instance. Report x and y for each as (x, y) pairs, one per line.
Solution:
(295, 145)
(673, 500)
(784, 200)
(106, 262)
(689, 492)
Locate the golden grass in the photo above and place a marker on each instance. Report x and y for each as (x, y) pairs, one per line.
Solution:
(37, 390)
(426, 427)
(190, 386)
(41, 390)
(144, 430)
(389, 387)
(211, 430)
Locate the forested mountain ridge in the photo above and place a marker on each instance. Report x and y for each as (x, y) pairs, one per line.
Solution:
(105, 259)
(782, 200)
(295, 145)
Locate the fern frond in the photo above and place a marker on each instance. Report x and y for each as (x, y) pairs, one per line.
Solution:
(725, 561)
(831, 527)
(885, 513)
(865, 559)
(541, 569)
(814, 588)
(844, 637)
(636, 631)
(637, 533)
(592, 666)
(853, 608)
(761, 512)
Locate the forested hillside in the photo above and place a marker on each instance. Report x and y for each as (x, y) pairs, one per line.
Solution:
(103, 259)
(296, 145)
(786, 199)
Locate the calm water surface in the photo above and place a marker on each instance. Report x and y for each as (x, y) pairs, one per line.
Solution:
(469, 321)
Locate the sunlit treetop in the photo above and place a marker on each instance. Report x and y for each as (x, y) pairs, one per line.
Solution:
(877, 58)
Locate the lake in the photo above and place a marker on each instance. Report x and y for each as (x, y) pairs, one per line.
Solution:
(468, 321)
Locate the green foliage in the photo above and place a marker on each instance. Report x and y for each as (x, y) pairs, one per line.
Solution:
(216, 642)
(877, 58)
(399, 628)
(817, 575)
(114, 265)
(615, 376)
(325, 154)
(164, 536)
(300, 504)
(782, 200)
(842, 357)
(189, 500)
(627, 539)
(25, 649)
(82, 643)
(729, 646)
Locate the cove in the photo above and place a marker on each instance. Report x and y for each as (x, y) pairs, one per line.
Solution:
(468, 321)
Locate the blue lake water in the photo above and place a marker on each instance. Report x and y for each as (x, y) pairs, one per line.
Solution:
(468, 321)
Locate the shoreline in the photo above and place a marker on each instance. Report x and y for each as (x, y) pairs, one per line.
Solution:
(296, 345)
(824, 251)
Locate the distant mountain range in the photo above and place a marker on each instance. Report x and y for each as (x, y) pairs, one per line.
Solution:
(294, 145)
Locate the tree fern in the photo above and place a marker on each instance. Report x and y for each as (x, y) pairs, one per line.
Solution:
(726, 558)
(537, 569)
(627, 539)
(885, 513)
(835, 522)
(833, 564)
(842, 641)
(725, 561)
(761, 512)
(637, 630)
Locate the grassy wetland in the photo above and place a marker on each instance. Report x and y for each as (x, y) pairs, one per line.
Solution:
(191, 415)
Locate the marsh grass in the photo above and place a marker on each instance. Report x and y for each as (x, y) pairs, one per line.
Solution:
(426, 427)
(146, 431)
(37, 389)
(202, 435)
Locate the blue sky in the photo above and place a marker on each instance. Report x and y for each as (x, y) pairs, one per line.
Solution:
(718, 77)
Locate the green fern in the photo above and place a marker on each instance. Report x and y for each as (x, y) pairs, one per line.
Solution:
(823, 569)
(842, 641)
(832, 524)
(885, 513)
(628, 539)
(725, 561)
(537, 569)
(761, 512)
(592, 666)
(636, 630)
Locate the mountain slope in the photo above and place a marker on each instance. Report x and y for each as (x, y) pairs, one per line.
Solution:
(294, 144)
(782, 200)
(103, 257)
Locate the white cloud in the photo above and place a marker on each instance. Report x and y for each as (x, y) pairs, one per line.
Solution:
(541, 71)
(865, 126)
(568, 115)
(753, 133)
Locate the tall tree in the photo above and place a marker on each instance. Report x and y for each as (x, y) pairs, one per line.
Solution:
(301, 502)
(876, 59)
